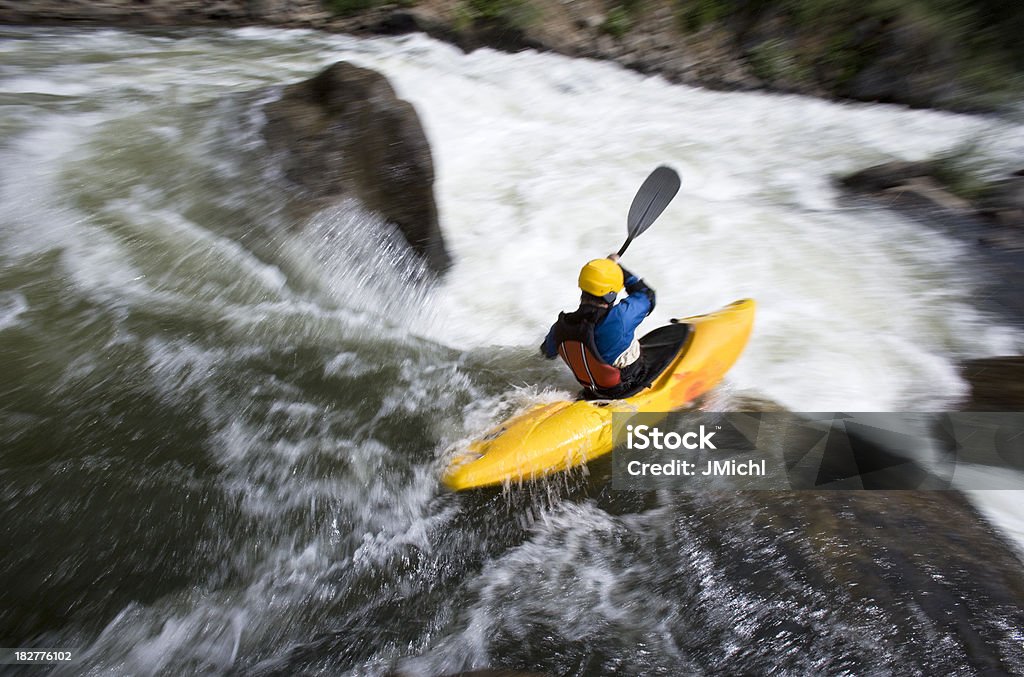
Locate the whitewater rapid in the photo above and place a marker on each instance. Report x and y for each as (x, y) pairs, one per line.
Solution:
(537, 158)
(297, 391)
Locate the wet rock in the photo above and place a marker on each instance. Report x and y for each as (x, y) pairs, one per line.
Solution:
(496, 672)
(1003, 202)
(908, 62)
(997, 383)
(278, 10)
(497, 34)
(927, 197)
(400, 22)
(993, 223)
(887, 175)
(994, 218)
(344, 133)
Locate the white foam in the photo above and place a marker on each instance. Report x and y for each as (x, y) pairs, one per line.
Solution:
(1002, 510)
(12, 306)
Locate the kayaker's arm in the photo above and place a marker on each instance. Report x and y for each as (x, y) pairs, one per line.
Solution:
(635, 287)
(548, 349)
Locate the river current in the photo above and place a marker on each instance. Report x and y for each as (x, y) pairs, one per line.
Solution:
(222, 431)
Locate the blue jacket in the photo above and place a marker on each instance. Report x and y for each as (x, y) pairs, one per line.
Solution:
(615, 331)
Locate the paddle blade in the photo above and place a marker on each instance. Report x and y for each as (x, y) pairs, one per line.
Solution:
(652, 198)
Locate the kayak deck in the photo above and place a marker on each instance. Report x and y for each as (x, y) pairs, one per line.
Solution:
(552, 437)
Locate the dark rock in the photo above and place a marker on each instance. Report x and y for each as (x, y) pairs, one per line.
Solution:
(994, 231)
(884, 176)
(929, 200)
(344, 133)
(906, 62)
(1004, 201)
(390, 20)
(399, 22)
(997, 383)
(280, 10)
(917, 185)
(496, 672)
(497, 34)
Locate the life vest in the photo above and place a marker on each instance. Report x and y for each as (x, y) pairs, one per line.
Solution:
(574, 336)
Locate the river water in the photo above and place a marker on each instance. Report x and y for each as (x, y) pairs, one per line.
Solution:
(222, 431)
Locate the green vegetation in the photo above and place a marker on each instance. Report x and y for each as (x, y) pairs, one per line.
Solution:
(774, 61)
(621, 18)
(962, 171)
(971, 50)
(516, 14)
(618, 22)
(961, 54)
(349, 7)
(696, 14)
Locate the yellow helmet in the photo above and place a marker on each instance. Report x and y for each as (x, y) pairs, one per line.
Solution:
(601, 277)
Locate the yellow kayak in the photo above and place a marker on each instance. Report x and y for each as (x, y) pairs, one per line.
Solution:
(552, 437)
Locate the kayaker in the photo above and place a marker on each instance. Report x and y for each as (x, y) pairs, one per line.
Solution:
(597, 339)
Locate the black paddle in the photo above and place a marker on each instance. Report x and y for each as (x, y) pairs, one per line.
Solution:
(654, 195)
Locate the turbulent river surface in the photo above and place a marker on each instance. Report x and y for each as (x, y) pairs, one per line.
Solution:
(222, 432)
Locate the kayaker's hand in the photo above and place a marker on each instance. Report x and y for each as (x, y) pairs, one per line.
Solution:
(614, 257)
